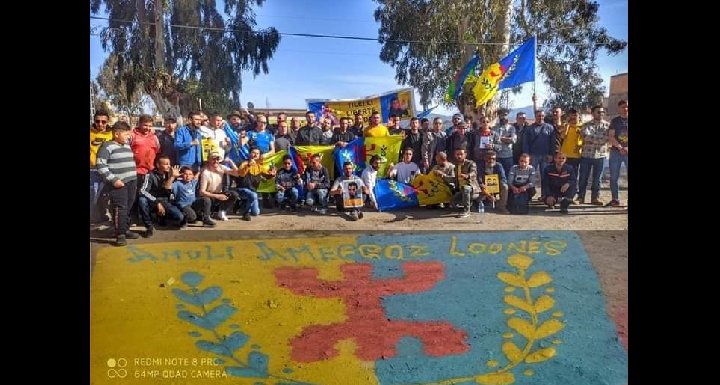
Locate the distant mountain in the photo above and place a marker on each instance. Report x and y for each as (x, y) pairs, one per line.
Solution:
(528, 110)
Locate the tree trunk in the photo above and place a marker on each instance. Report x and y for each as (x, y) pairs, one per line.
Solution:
(466, 53)
(166, 106)
(159, 37)
(503, 19)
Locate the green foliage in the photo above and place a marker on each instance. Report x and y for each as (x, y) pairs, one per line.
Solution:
(427, 41)
(213, 52)
(119, 87)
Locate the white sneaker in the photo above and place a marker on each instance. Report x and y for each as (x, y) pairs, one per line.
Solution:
(222, 216)
(322, 211)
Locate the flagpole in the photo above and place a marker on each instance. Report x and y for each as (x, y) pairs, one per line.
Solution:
(534, 98)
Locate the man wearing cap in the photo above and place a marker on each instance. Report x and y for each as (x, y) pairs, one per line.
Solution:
(460, 137)
(188, 143)
(235, 120)
(167, 139)
(211, 184)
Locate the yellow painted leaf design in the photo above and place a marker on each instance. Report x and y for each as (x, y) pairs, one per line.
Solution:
(496, 379)
(512, 352)
(523, 327)
(511, 279)
(518, 303)
(548, 328)
(538, 279)
(540, 355)
(544, 303)
(520, 261)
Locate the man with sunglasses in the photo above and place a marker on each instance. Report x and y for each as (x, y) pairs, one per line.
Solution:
(99, 133)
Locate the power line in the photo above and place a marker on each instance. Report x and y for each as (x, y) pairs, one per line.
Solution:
(314, 35)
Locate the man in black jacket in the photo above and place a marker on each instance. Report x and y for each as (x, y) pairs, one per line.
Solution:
(155, 194)
(559, 181)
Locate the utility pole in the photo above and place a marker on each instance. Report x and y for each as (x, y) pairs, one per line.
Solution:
(92, 102)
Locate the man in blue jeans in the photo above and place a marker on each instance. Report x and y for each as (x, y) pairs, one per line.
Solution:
(594, 152)
(251, 174)
(317, 182)
(618, 140)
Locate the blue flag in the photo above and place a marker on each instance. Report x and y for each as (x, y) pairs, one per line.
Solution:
(353, 152)
(519, 66)
(392, 195)
(425, 113)
(237, 153)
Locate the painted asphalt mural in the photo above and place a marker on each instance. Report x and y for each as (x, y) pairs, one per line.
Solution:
(491, 308)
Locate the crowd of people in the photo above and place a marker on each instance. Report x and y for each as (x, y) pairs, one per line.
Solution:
(167, 178)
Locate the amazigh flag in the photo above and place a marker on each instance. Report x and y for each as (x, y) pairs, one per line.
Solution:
(456, 84)
(514, 69)
(353, 152)
(268, 185)
(431, 189)
(386, 147)
(392, 195)
(325, 152)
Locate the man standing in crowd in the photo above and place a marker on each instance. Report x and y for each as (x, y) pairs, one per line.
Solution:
(594, 152)
(166, 138)
(357, 128)
(618, 139)
(413, 139)
(283, 141)
(343, 136)
(539, 143)
(433, 143)
(508, 138)
(570, 141)
(215, 131)
(310, 134)
(520, 125)
(116, 166)
(375, 129)
(188, 143)
(99, 134)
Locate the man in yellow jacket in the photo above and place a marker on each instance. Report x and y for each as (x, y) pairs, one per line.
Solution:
(99, 133)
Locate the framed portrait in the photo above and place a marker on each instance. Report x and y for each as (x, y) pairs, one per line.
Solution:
(352, 194)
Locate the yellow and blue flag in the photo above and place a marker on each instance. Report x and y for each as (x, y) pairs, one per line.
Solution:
(514, 69)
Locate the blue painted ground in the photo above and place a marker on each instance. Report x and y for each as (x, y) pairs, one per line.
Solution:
(471, 298)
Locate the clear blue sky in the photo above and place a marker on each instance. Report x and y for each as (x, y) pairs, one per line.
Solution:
(313, 68)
